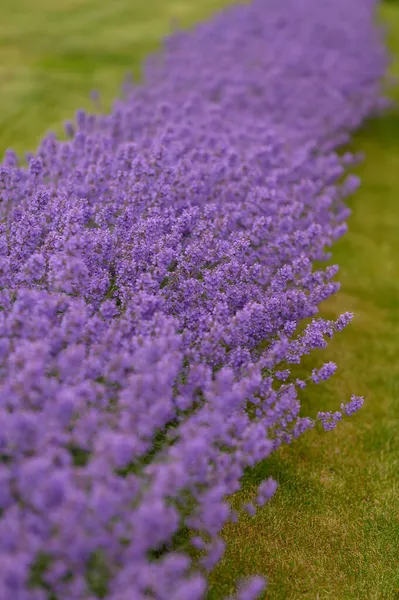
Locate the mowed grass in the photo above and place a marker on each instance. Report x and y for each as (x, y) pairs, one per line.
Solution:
(332, 530)
(54, 52)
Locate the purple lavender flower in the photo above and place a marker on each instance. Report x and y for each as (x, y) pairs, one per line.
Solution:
(353, 406)
(155, 271)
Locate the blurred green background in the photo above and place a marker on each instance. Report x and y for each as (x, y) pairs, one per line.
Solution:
(54, 52)
(332, 530)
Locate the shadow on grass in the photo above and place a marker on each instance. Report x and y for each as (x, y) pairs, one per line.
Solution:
(383, 131)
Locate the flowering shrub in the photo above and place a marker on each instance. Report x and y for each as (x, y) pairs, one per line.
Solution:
(155, 272)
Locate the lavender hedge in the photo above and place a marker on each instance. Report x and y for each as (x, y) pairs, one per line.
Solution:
(156, 269)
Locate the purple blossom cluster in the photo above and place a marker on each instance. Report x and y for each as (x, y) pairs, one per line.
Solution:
(157, 283)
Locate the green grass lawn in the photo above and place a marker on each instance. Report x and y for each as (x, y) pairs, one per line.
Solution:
(332, 530)
(54, 52)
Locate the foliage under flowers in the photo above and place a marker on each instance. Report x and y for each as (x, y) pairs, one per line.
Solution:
(155, 271)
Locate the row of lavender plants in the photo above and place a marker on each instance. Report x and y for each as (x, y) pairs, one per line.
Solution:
(155, 272)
